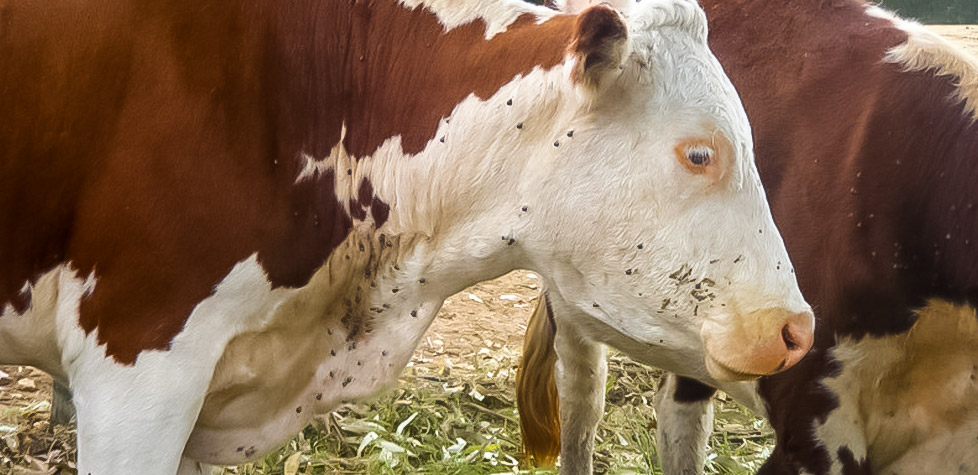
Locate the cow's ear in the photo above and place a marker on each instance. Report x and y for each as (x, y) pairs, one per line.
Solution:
(600, 45)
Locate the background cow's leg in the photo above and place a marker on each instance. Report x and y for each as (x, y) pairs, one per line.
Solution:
(684, 416)
(193, 467)
(62, 408)
(582, 370)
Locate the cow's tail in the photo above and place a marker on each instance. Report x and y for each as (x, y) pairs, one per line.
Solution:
(536, 388)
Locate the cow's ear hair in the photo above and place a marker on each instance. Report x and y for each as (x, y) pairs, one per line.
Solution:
(600, 45)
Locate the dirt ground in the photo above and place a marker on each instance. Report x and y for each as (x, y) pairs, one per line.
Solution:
(963, 35)
(492, 314)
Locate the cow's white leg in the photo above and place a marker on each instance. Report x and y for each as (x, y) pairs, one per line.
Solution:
(138, 424)
(137, 418)
(684, 417)
(582, 370)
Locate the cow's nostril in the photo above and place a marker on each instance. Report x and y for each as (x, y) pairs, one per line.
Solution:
(789, 339)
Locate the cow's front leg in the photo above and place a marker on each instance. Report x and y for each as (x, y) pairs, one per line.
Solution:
(582, 370)
(136, 419)
(684, 415)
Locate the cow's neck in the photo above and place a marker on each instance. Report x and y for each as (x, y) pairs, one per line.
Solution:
(429, 217)
(432, 134)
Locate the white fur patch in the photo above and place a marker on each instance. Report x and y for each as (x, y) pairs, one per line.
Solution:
(498, 14)
(926, 50)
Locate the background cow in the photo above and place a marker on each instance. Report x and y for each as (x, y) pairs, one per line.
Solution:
(867, 143)
(219, 220)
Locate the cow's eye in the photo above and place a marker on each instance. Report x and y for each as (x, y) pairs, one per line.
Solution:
(700, 156)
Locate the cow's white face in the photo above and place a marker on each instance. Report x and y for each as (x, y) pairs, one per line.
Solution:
(658, 223)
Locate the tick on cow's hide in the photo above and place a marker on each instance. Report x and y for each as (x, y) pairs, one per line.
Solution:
(556, 143)
(359, 363)
(298, 410)
(422, 280)
(509, 102)
(332, 352)
(414, 313)
(442, 139)
(383, 353)
(640, 246)
(349, 171)
(360, 245)
(395, 290)
(595, 305)
(628, 272)
(524, 208)
(570, 133)
(251, 451)
(519, 126)
(319, 396)
(511, 241)
(348, 380)
(331, 374)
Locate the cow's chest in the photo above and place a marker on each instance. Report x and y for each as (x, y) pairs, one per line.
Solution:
(342, 337)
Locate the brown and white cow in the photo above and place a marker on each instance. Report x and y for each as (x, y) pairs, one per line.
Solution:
(867, 143)
(218, 220)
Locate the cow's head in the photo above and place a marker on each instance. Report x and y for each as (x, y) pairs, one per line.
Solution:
(656, 222)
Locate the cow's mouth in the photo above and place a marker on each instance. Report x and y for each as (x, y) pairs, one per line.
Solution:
(723, 372)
